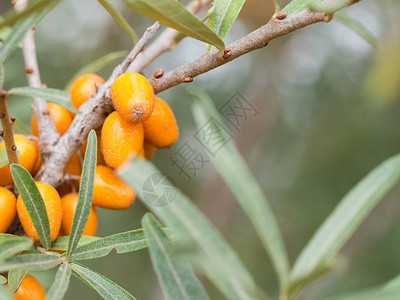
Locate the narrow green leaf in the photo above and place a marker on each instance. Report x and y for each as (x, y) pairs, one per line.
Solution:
(2, 76)
(192, 229)
(61, 243)
(223, 17)
(15, 278)
(12, 16)
(19, 30)
(31, 262)
(296, 6)
(360, 29)
(173, 14)
(121, 242)
(52, 95)
(11, 246)
(347, 216)
(102, 285)
(4, 31)
(3, 158)
(120, 20)
(242, 183)
(60, 284)
(97, 65)
(175, 275)
(3, 280)
(387, 291)
(5, 293)
(33, 201)
(85, 194)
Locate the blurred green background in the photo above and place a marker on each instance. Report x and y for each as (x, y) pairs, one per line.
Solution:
(328, 112)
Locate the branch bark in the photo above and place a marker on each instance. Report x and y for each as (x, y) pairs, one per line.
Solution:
(93, 112)
(7, 134)
(48, 133)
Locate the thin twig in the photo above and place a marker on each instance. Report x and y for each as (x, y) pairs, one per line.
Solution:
(253, 41)
(47, 131)
(164, 42)
(8, 134)
(91, 116)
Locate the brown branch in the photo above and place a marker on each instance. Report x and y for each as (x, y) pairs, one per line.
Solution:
(48, 133)
(7, 133)
(253, 41)
(164, 42)
(91, 116)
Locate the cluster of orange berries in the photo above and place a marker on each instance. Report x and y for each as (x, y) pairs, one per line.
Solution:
(140, 124)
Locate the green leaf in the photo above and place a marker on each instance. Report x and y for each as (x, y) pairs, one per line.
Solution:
(15, 278)
(223, 17)
(3, 158)
(3, 280)
(5, 293)
(52, 95)
(296, 6)
(242, 183)
(175, 275)
(61, 243)
(346, 217)
(33, 201)
(4, 31)
(85, 194)
(97, 65)
(387, 291)
(173, 14)
(102, 285)
(192, 229)
(119, 19)
(31, 262)
(121, 242)
(20, 127)
(360, 29)
(2, 76)
(60, 284)
(12, 16)
(19, 31)
(11, 246)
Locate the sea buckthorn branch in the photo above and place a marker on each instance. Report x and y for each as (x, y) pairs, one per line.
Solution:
(276, 27)
(7, 133)
(48, 133)
(91, 116)
(164, 42)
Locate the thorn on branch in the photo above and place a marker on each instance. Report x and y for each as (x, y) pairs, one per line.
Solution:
(158, 74)
(44, 85)
(281, 16)
(46, 112)
(13, 2)
(12, 119)
(2, 115)
(3, 94)
(14, 148)
(28, 70)
(227, 53)
(1, 133)
(188, 79)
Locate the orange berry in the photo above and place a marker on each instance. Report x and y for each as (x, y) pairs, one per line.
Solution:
(38, 162)
(30, 289)
(100, 157)
(133, 97)
(61, 118)
(8, 209)
(69, 203)
(149, 150)
(74, 166)
(83, 88)
(53, 205)
(27, 158)
(120, 140)
(110, 191)
(161, 130)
